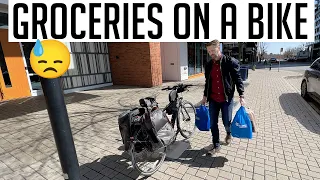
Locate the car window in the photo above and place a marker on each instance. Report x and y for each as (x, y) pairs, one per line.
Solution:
(316, 65)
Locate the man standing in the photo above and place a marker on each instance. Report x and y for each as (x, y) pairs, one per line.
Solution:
(222, 75)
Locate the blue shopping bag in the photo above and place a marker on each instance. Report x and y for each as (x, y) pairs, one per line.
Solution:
(241, 126)
(203, 118)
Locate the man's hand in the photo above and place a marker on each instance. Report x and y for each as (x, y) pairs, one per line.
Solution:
(242, 101)
(204, 100)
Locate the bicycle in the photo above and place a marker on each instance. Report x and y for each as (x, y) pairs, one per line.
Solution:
(176, 101)
(142, 143)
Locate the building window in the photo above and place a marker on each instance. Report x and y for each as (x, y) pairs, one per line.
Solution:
(199, 52)
(3, 19)
(91, 65)
(197, 58)
(34, 78)
(191, 58)
(4, 69)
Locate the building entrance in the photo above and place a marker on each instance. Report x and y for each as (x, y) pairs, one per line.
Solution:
(13, 78)
(197, 58)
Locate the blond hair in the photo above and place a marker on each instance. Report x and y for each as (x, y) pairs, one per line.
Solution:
(215, 43)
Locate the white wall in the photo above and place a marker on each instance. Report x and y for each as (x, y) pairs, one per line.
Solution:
(170, 61)
(174, 59)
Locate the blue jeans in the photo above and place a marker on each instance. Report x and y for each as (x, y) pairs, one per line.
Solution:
(226, 110)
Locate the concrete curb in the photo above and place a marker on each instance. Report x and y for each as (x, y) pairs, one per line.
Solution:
(316, 115)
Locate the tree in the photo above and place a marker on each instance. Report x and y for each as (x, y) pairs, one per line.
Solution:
(302, 46)
(293, 51)
(290, 52)
(262, 50)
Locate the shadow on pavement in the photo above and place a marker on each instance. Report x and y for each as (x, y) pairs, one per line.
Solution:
(198, 158)
(291, 104)
(119, 87)
(24, 106)
(118, 166)
(109, 167)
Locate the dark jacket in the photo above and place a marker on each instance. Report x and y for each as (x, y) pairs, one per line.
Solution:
(230, 70)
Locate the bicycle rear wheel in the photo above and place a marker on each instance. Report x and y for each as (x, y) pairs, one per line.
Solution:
(186, 116)
(144, 152)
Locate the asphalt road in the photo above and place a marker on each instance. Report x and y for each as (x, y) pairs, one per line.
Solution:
(299, 69)
(314, 105)
(292, 66)
(289, 66)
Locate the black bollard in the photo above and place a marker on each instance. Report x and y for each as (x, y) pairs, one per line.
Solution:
(61, 127)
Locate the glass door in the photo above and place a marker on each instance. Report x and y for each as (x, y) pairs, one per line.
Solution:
(198, 63)
(191, 58)
(205, 57)
(3, 20)
(34, 78)
(6, 83)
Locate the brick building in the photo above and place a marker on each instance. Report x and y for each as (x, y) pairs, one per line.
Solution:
(96, 65)
(136, 63)
(315, 46)
(245, 52)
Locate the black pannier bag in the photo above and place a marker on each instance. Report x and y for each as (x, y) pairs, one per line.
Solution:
(125, 122)
(157, 123)
(172, 107)
(152, 118)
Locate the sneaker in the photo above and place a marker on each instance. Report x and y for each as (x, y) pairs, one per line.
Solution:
(215, 150)
(208, 148)
(228, 139)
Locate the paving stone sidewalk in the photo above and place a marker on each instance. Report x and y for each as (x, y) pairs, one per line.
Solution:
(286, 145)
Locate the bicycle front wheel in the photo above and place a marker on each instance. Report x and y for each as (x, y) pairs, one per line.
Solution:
(146, 159)
(186, 119)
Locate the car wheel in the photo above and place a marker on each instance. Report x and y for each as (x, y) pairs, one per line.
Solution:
(304, 89)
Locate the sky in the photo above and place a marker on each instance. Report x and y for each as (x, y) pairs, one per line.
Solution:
(275, 47)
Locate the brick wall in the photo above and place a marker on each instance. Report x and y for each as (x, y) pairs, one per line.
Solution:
(138, 64)
(156, 66)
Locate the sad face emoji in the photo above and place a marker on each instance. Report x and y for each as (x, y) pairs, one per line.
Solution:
(50, 58)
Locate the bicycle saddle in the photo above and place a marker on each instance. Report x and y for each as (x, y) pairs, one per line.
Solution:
(148, 102)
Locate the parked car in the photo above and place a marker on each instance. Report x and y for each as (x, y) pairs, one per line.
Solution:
(292, 59)
(310, 85)
(273, 60)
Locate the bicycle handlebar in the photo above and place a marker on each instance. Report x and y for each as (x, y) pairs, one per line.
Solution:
(179, 86)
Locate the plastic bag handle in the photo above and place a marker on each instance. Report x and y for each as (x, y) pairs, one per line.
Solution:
(243, 113)
(202, 106)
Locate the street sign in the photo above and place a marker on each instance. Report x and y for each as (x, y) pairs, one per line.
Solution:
(281, 50)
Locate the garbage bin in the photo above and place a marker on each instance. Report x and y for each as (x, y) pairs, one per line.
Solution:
(244, 72)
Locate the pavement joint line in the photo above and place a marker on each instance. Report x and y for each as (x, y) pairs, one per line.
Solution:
(316, 115)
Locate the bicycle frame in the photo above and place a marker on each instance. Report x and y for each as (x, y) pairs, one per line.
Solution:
(178, 103)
